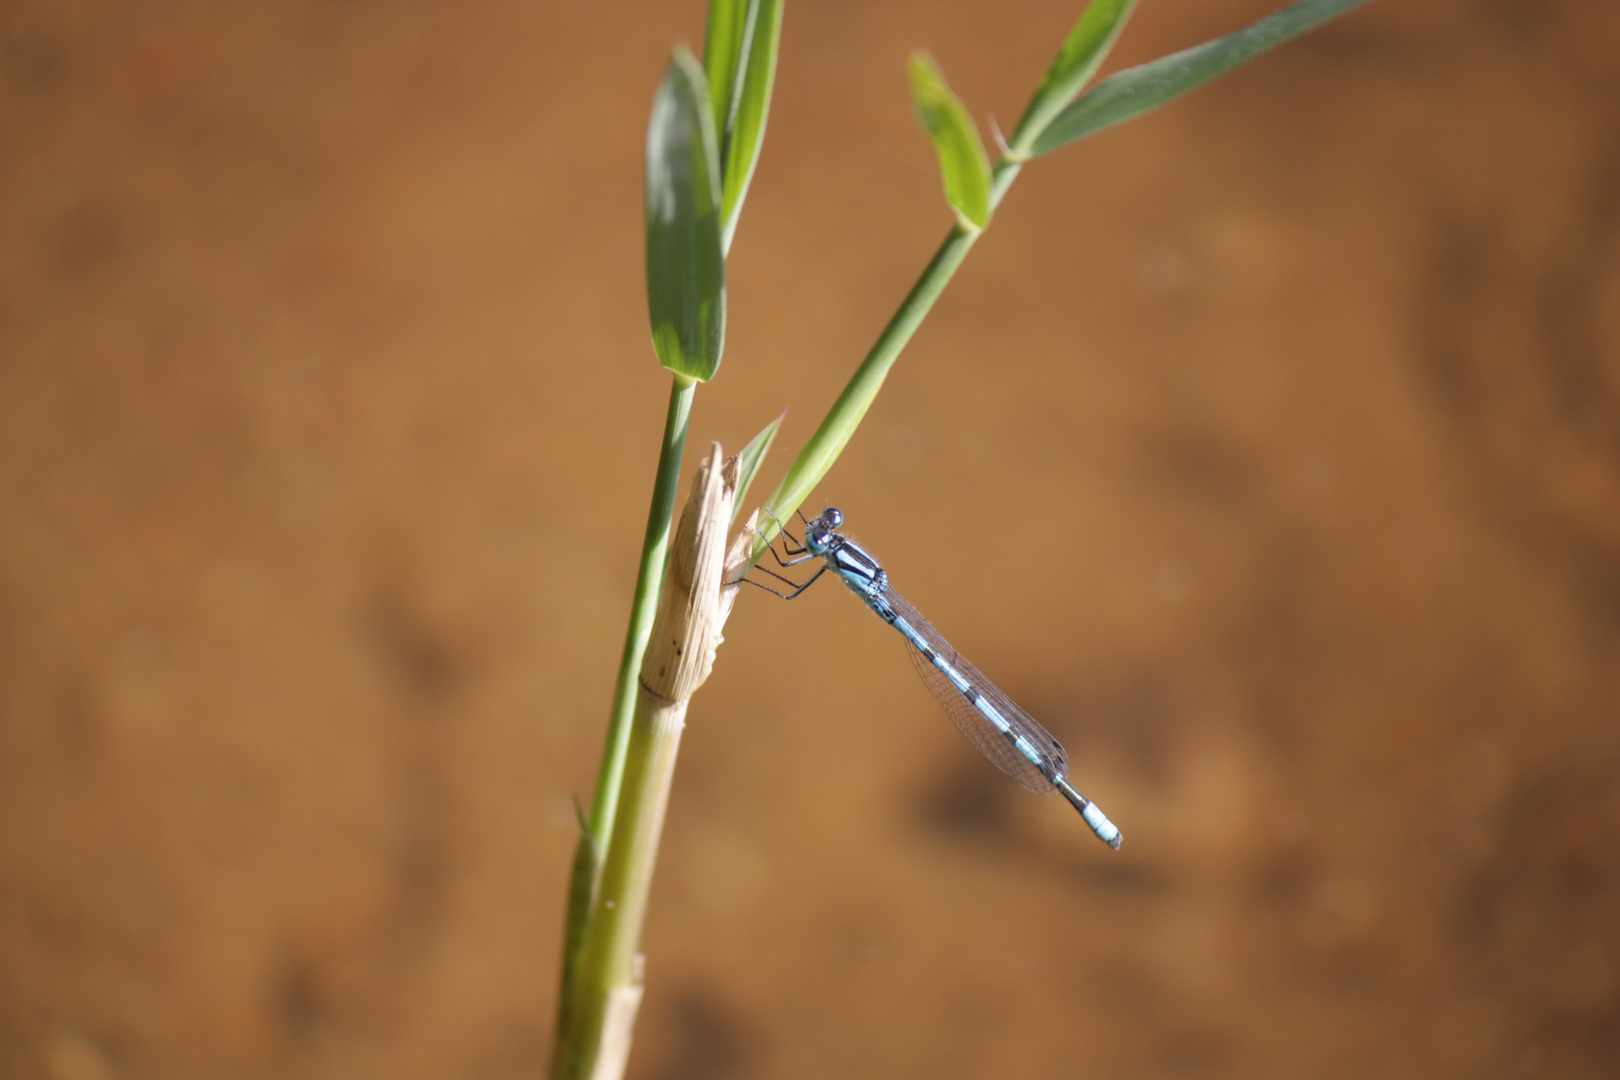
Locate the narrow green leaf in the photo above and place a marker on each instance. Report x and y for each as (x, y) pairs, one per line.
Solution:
(962, 161)
(745, 131)
(722, 49)
(686, 274)
(584, 823)
(582, 881)
(749, 460)
(1087, 46)
(1139, 89)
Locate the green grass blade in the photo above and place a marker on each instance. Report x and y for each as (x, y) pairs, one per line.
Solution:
(1087, 46)
(722, 47)
(582, 881)
(745, 132)
(817, 455)
(749, 460)
(962, 161)
(1139, 89)
(686, 272)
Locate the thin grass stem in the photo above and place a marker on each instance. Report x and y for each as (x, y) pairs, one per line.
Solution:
(598, 828)
(649, 577)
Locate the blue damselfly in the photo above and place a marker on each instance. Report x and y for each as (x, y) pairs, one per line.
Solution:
(1012, 739)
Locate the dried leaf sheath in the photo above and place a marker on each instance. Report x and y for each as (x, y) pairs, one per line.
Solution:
(686, 631)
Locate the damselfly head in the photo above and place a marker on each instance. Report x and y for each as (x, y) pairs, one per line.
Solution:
(820, 535)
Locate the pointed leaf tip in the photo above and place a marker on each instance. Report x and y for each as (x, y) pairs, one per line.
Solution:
(963, 164)
(1083, 52)
(749, 461)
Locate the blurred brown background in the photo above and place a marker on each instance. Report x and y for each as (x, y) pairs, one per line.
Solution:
(1267, 448)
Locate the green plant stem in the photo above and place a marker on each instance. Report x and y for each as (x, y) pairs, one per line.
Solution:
(608, 982)
(595, 839)
(649, 765)
(649, 578)
(823, 448)
(1002, 176)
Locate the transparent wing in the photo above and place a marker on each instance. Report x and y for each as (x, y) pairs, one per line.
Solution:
(984, 735)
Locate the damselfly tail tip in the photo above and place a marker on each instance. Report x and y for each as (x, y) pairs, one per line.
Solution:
(1106, 831)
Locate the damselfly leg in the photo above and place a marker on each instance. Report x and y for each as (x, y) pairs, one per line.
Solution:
(794, 558)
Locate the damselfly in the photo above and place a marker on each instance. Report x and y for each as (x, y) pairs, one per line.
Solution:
(1012, 739)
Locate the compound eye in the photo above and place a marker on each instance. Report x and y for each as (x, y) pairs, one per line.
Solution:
(832, 517)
